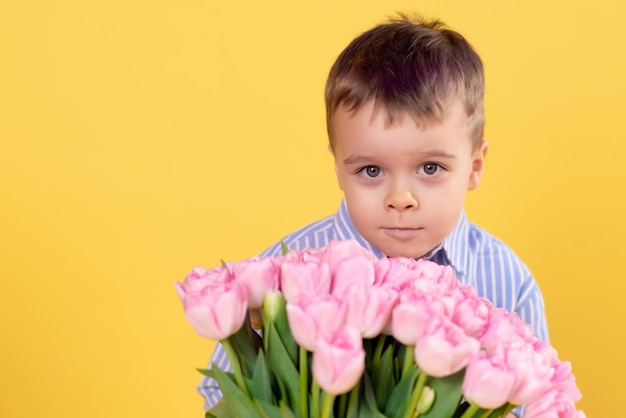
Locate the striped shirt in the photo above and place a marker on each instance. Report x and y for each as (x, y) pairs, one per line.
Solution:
(478, 258)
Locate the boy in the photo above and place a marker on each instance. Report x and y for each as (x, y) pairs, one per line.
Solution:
(404, 105)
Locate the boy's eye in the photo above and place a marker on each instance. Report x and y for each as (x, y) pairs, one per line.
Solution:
(430, 168)
(371, 171)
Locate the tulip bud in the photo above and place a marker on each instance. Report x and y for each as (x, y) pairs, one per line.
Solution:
(272, 304)
(426, 400)
(275, 317)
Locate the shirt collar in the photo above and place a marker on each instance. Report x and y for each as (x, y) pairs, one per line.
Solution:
(455, 245)
(453, 249)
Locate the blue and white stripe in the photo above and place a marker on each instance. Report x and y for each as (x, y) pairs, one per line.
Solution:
(479, 259)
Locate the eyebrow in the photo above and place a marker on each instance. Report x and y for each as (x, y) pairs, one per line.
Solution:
(360, 159)
(439, 154)
(357, 159)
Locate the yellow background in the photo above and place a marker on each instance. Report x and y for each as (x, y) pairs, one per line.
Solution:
(141, 138)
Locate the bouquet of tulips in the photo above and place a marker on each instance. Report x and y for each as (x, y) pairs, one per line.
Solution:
(345, 334)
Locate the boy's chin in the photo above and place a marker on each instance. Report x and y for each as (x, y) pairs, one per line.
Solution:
(405, 253)
(407, 250)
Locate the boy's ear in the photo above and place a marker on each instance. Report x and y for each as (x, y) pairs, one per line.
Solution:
(478, 165)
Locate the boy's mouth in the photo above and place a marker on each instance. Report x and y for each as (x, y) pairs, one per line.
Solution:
(402, 233)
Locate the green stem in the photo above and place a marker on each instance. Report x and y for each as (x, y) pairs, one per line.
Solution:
(353, 405)
(343, 404)
(327, 408)
(486, 413)
(304, 383)
(315, 400)
(234, 362)
(509, 408)
(409, 359)
(379, 348)
(469, 412)
(417, 392)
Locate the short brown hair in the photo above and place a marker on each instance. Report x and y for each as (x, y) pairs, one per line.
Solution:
(409, 65)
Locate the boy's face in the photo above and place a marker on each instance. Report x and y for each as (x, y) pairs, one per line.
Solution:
(405, 184)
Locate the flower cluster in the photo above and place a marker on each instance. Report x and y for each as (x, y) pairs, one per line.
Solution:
(389, 337)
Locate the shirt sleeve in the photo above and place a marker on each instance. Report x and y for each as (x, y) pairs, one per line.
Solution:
(502, 277)
(530, 307)
(208, 387)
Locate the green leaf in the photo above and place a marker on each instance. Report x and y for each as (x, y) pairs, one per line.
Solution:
(400, 398)
(354, 401)
(398, 361)
(285, 371)
(282, 393)
(261, 387)
(369, 408)
(277, 356)
(285, 412)
(502, 411)
(220, 410)
(237, 403)
(447, 394)
(281, 325)
(267, 409)
(207, 372)
(224, 265)
(275, 317)
(246, 343)
(382, 376)
(283, 248)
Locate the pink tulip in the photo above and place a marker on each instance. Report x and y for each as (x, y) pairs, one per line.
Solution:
(412, 313)
(338, 251)
(368, 308)
(258, 275)
(559, 401)
(487, 384)
(313, 317)
(545, 407)
(444, 348)
(553, 404)
(394, 272)
(564, 381)
(532, 374)
(349, 271)
(313, 255)
(503, 330)
(339, 294)
(200, 279)
(438, 282)
(348, 263)
(304, 277)
(443, 277)
(217, 310)
(447, 280)
(511, 341)
(472, 313)
(338, 362)
(549, 354)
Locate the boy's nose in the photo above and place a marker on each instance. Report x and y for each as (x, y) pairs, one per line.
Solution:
(401, 200)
